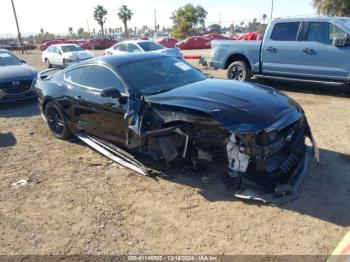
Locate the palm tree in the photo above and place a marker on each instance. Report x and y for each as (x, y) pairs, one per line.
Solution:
(100, 16)
(125, 15)
(264, 17)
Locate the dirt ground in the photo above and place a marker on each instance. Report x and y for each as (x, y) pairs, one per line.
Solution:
(78, 202)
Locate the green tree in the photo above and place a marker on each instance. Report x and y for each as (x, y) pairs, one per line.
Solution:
(188, 20)
(214, 28)
(264, 17)
(80, 32)
(100, 16)
(332, 7)
(125, 15)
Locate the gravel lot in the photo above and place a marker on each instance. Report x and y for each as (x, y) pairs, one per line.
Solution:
(78, 202)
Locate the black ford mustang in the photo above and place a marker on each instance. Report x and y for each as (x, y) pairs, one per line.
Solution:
(164, 107)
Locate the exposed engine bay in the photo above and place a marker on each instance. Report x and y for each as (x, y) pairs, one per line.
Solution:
(269, 166)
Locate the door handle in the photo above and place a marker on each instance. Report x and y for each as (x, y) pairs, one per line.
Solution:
(308, 50)
(271, 49)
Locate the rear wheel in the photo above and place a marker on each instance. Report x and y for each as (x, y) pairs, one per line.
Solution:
(239, 70)
(56, 121)
(47, 63)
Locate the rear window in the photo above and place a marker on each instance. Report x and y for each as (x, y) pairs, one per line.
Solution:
(150, 46)
(71, 48)
(285, 31)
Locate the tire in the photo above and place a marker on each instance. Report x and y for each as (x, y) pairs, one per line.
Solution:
(64, 63)
(47, 63)
(57, 121)
(239, 70)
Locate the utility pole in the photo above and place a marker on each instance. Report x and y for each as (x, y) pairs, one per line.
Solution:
(220, 19)
(271, 10)
(88, 26)
(155, 24)
(18, 32)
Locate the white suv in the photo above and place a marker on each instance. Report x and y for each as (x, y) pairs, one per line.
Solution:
(64, 55)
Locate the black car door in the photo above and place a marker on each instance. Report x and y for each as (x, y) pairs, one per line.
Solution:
(101, 116)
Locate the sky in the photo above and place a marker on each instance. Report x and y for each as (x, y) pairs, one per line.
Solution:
(56, 16)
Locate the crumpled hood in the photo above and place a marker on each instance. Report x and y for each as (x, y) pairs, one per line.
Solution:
(16, 73)
(81, 55)
(240, 107)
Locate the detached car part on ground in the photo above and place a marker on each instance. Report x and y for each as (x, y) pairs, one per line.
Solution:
(17, 79)
(164, 108)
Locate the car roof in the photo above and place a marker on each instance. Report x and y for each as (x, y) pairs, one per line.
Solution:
(135, 41)
(59, 45)
(117, 60)
(312, 19)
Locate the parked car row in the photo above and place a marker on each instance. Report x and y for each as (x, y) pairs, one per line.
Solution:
(97, 44)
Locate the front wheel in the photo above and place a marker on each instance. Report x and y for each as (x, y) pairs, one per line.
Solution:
(239, 71)
(56, 121)
(47, 63)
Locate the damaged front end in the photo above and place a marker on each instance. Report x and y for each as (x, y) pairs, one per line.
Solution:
(269, 165)
(272, 164)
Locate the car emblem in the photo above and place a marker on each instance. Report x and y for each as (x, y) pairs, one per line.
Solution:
(15, 83)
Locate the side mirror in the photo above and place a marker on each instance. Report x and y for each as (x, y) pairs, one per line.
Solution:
(111, 92)
(23, 61)
(340, 42)
(60, 53)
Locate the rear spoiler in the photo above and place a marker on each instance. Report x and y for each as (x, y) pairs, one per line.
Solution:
(47, 74)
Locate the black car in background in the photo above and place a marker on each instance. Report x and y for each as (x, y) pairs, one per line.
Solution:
(17, 79)
(165, 108)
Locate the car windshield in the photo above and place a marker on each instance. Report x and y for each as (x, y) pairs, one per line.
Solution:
(159, 75)
(8, 59)
(150, 46)
(71, 48)
(347, 24)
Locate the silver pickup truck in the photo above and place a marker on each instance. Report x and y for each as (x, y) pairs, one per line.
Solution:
(306, 49)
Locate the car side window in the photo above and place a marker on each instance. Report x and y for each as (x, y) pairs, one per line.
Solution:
(336, 32)
(324, 33)
(133, 48)
(73, 75)
(285, 31)
(50, 49)
(121, 47)
(100, 77)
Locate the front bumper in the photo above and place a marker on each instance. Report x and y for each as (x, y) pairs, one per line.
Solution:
(282, 183)
(9, 98)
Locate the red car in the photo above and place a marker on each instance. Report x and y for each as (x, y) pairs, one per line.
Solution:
(168, 42)
(251, 36)
(100, 44)
(47, 43)
(194, 42)
(216, 36)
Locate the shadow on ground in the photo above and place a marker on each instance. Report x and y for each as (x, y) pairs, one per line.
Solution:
(306, 88)
(7, 139)
(324, 193)
(19, 109)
